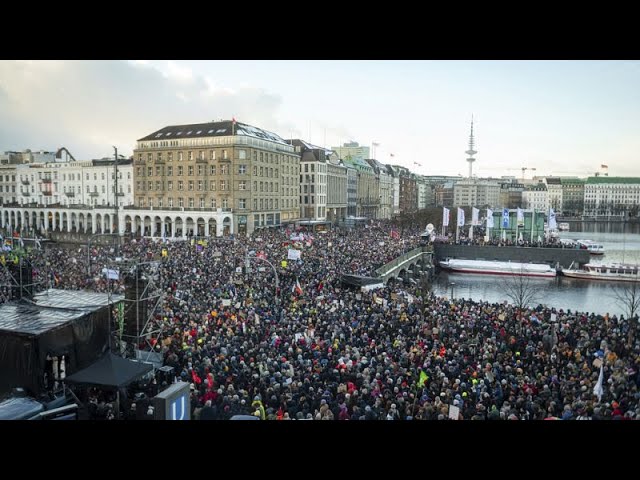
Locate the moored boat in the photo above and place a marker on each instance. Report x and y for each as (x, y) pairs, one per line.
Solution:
(489, 267)
(614, 272)
(593, 247)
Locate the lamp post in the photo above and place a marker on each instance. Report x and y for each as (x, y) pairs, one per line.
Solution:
(251, 257)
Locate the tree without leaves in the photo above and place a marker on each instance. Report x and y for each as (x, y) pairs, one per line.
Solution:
(629, 297)
(521, 290)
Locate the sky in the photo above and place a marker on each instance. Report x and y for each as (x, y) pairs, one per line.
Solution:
(559, 117)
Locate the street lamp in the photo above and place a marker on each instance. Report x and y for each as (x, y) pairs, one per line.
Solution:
(452, 284)
(251, 257)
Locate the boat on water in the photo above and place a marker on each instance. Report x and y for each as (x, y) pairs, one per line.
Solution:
(563, 226)
(593, 247)
(489, 267)
(614, 271)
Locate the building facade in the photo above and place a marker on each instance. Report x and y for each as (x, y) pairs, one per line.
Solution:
(554, 191)
(248, 173)
(612, 196)
(385, 189)
(352, 151)
(336, 190)
(536, 197)
(476, 193)
(572, 196)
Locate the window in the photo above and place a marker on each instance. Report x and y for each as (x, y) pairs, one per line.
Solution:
(160, 202)
(255, 204)
(158, 171)
(224, 154)
(190, 170)
(150, 185)
(190, 202)
(212, 185)
(242, 169)
(180, 156)
(158, 187)
(255, 186)
(223, 184)
(242, 203)
(159, 157)
(190, 155)
(242, 154)
(170, 202)
(212, 154)
(95, 176)
(170, 171)
(242, 185)
(261, 172)
(170, 156)
(180, 185)
(180, 202)
(180, 170)
(202, 203)
(213, 203)
(225, 203)
(149, 157)
(149, 172)
(201, 155)
(200, 185)
(255, 170)
(224, 169)
(212, 170)
(190, 185)
(200, 170)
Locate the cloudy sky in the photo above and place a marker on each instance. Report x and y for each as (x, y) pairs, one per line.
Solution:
(560, 117)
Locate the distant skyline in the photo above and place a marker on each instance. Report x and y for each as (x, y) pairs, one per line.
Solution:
(559, 117)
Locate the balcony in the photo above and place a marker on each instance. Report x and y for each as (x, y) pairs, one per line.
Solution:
(70, 194)
(224, 160)
(26, 194)
(25, 181)
(46, 180)
(93, 194)
(47, 193)
(201, 160)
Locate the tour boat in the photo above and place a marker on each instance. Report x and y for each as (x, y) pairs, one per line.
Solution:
(498, 268)
(615, 271)
(593, 247)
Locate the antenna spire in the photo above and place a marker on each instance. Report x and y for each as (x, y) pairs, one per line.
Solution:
(471, 152)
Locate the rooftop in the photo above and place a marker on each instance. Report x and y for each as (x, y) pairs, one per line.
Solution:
(212, 129)
(50, 309)
(604, 180)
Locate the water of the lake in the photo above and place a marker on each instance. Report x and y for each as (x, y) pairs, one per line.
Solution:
(621, 243)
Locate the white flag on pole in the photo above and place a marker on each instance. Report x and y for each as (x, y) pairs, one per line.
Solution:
(445, 217)
(552, 219)
(460, 217)
(598, 390)
(489, 218)
(474, 216)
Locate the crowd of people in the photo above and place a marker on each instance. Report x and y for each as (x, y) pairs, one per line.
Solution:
(308, 347)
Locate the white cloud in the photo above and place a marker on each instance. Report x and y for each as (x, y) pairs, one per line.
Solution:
(88, 106)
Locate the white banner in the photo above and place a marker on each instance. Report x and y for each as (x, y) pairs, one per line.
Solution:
(474, 216)
(552, 219)
(445, 217)
(460, 217)
(489, 218)
(520, 217)
(293, 254)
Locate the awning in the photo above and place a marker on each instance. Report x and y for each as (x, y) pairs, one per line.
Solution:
(110, 371)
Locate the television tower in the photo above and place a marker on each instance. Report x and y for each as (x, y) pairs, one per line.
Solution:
(471, 152)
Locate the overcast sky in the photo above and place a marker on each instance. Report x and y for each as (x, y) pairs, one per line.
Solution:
(560, 117)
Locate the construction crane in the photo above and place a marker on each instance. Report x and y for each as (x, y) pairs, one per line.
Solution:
(524, 169)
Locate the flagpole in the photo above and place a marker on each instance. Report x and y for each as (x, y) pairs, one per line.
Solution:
(533, 217)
